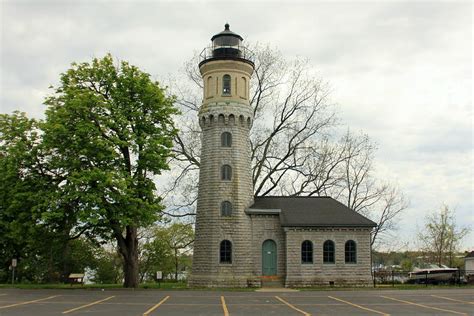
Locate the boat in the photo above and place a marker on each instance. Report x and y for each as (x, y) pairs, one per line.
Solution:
(433, 274)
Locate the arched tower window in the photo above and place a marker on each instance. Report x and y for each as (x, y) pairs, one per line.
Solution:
(328, 251)
(221, 119)
(225, 253)
(226, 139)
(226, 208)
(350, 252)
(226, 172)
(209, 87)
(226, 84)
(307, 252)
(244, 87)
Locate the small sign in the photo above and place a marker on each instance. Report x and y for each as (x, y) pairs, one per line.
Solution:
(14, 262)
(159, 275)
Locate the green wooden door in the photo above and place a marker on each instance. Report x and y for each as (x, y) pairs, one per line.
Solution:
(269, 257)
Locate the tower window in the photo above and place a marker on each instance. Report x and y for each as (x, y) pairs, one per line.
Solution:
(244, 87)
(226, 85)
(328, 251)
(226, 208)
(307, 252)
(226, 172)
(225, 252)
(350, 252)
(209, 87)
(226, 139)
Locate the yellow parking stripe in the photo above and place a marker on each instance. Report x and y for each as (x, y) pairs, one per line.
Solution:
(29, 302)
(291, 306)
(361, 307)
(224, 306)
(425, 306)
(155, 307)
(452, 299)
(87, 305)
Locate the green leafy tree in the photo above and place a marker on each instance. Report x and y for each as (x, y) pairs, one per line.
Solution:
(110, 129)
(38, 222)
(107, 267)
(441, 237)
(406, 264)
(178, 237)
(167, 250)
(156, 255)
(21, 188)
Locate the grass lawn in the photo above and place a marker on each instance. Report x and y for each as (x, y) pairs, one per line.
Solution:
(183, 286)
(161, 285)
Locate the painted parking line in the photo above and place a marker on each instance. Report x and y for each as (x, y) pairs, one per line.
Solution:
(422, 305)
(292, 306)
(87, 305)
(29, 302)
(224, 306)
(359, 306)
(3, 294)
(452, 299)
(156, 306)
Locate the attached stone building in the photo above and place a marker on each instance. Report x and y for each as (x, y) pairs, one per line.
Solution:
(242, 240)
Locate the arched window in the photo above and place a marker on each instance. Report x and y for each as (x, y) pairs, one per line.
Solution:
(307, 252)
(350, 251)
(225, 253)
(231, 119)
(226, 139)
(328, 251)
(209, 86)
(244, 88)
(226, 208)
(226, 85)
(226, 173)
(221, 119)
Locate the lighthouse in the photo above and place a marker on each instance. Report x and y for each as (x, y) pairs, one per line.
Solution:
(247, 241)
(222, 249)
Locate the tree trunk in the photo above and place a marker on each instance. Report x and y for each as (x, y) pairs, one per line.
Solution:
(66, 261)
(176, 264)
(128, 248)
(131, 273)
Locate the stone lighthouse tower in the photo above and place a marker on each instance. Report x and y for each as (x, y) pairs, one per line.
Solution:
(222, 248)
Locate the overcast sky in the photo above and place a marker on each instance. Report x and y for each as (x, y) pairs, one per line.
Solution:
(399, 71)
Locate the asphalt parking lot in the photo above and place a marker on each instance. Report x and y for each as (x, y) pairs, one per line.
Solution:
(157, 302)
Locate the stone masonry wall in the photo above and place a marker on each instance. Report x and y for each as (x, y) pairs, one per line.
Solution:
(268, 227)
(319, 273)
(223, 114)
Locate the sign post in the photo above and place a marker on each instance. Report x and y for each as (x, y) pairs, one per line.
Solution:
(14, 263)
(159, 277)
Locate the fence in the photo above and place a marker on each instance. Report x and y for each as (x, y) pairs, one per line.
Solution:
(426, 277)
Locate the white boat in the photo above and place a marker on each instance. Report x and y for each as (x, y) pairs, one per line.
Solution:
(433, 274)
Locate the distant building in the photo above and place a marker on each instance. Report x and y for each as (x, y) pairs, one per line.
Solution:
(469, 266)
(242, 240)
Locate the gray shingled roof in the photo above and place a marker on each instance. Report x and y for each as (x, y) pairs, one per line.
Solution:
(311, 211)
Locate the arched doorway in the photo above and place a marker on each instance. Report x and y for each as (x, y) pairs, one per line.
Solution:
(269, 257)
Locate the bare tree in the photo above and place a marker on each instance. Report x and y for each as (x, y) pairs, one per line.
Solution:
(361, 191)
(294, 144)
(441, 237)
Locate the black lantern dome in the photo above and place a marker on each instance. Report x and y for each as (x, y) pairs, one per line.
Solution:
(226, 45)
(227, 38)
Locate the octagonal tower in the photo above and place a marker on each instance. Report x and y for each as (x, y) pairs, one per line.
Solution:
(222, 248)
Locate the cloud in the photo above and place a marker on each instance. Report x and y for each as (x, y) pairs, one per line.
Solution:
(400, 71)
